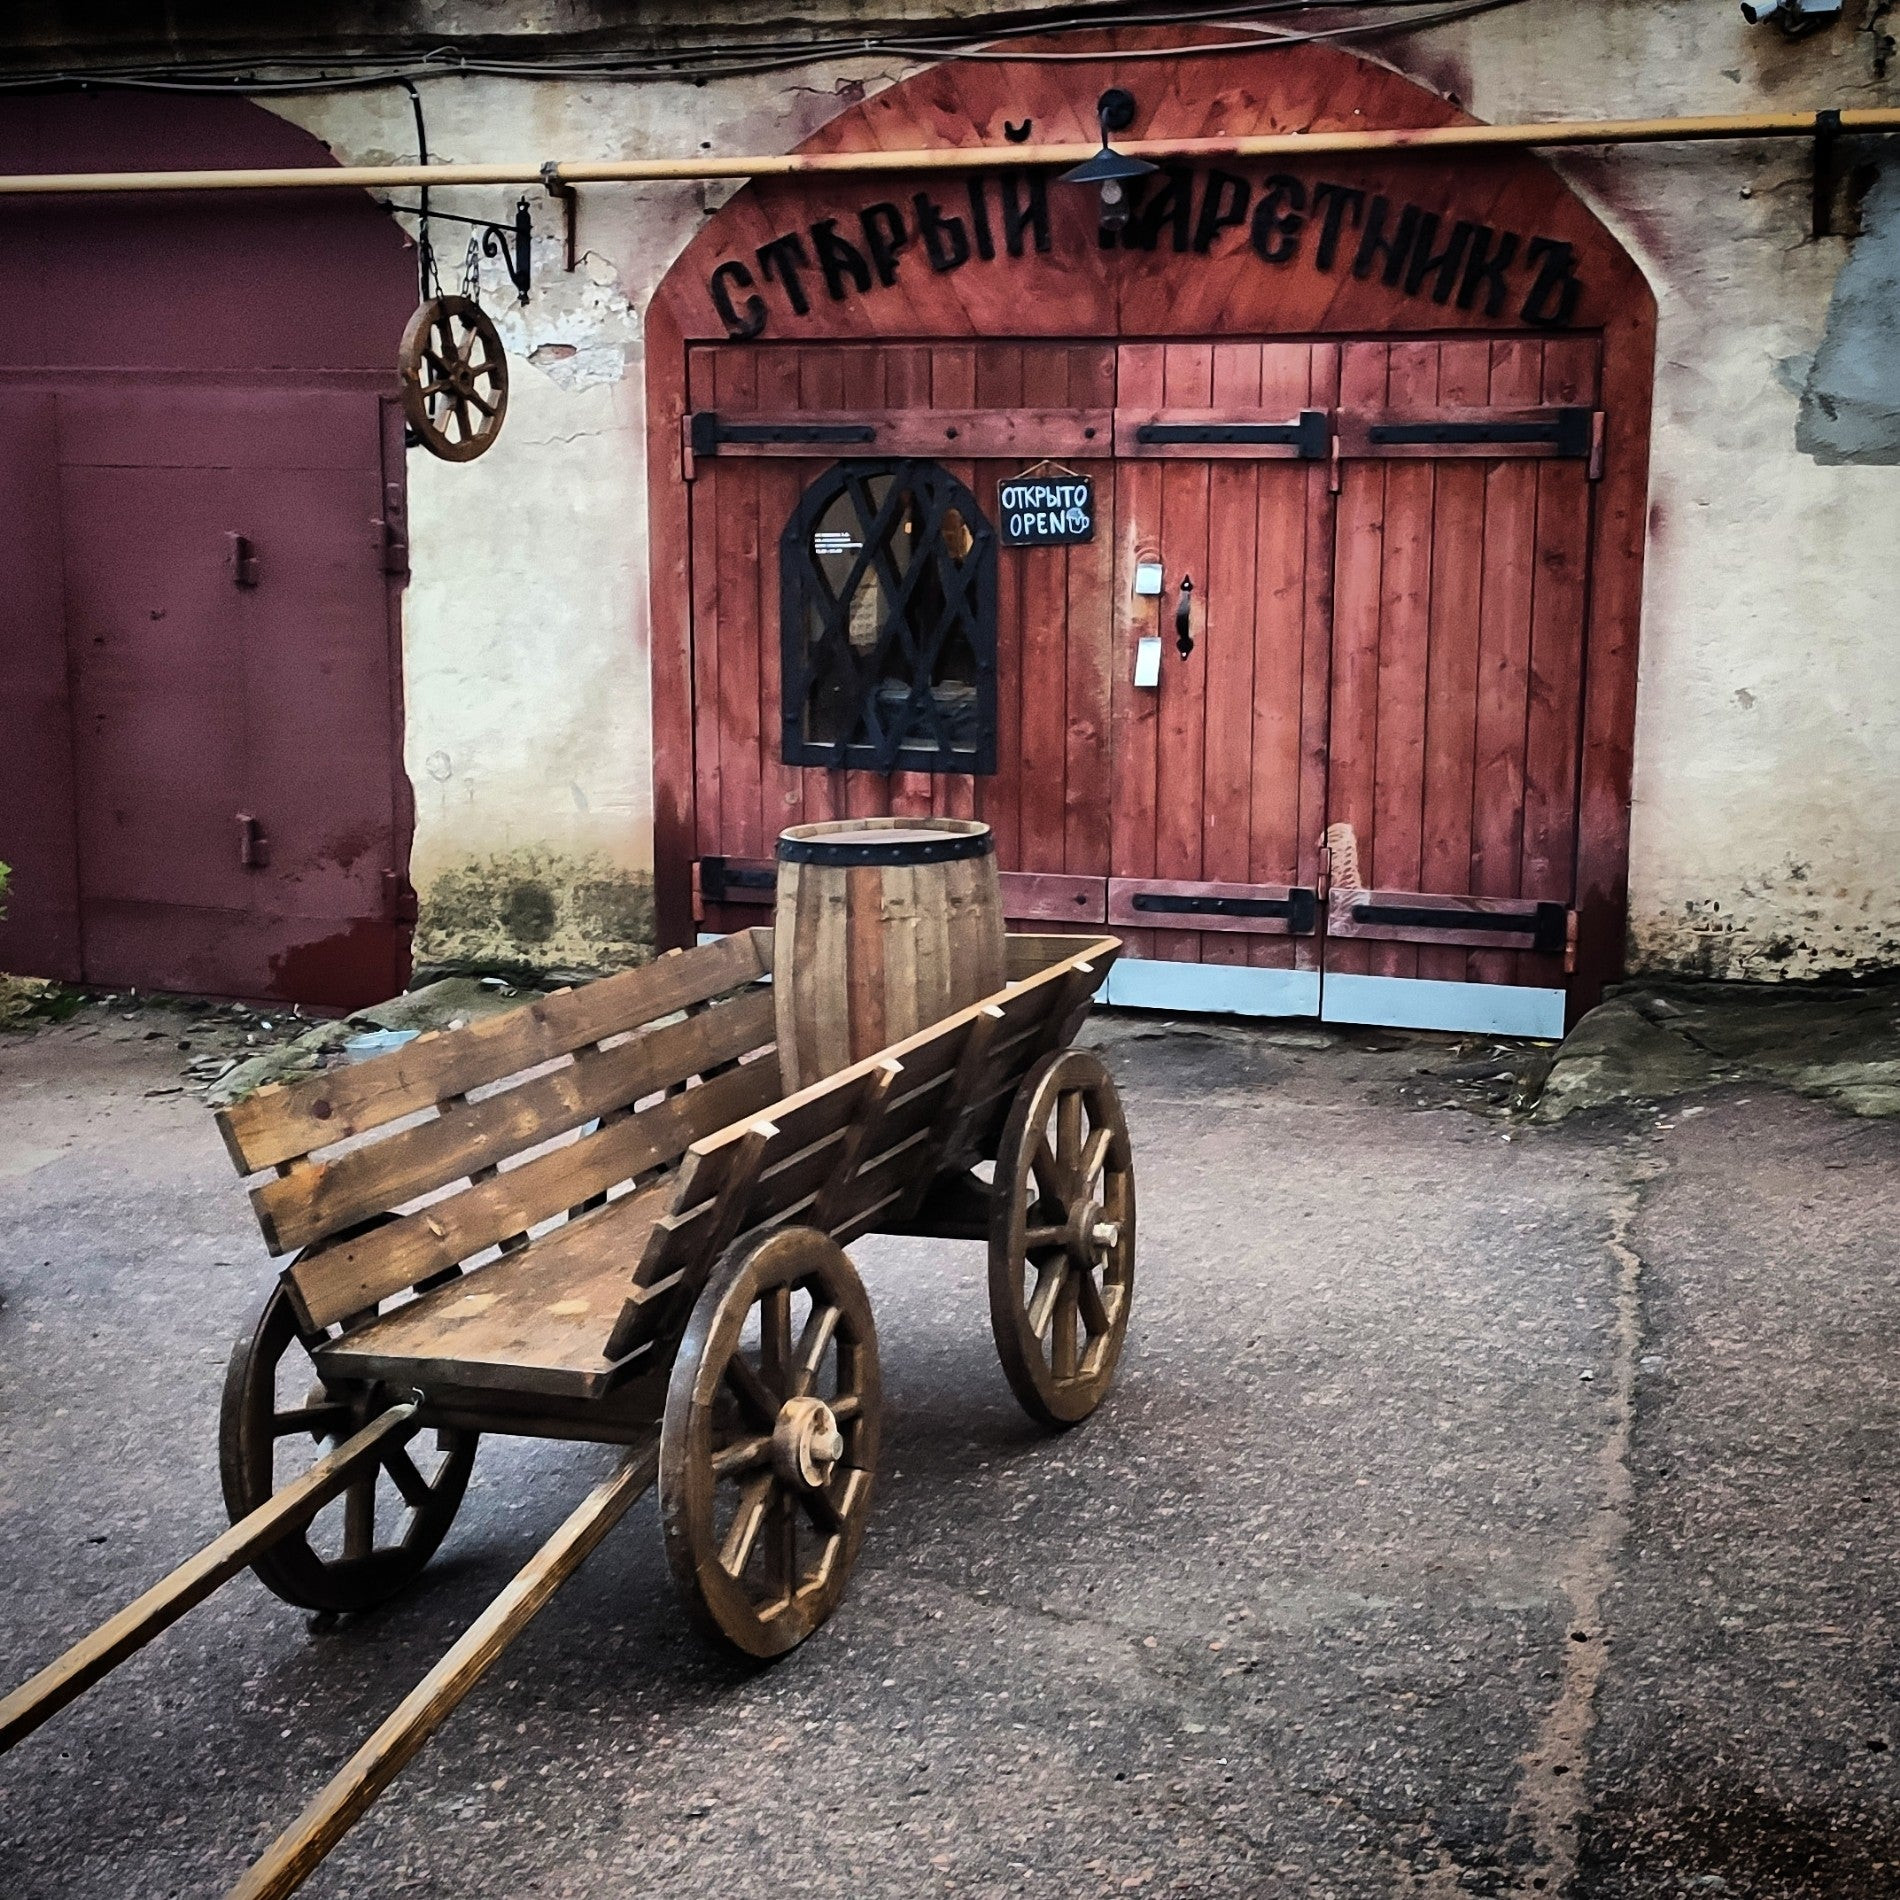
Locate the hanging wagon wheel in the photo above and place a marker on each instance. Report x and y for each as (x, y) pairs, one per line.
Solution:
(1062, 1238)
(769, 1442)
(278, 1419)
(454, 378)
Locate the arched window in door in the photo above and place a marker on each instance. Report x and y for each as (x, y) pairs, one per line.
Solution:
(888, 631)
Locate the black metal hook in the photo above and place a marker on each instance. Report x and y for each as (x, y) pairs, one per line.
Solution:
(1017, 134)
(1183, 617)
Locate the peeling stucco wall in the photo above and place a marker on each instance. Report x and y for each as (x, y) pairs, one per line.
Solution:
(1767, 796)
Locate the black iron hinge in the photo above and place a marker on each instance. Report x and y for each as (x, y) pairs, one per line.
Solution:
(709, 432)
(1300, 907)
(1311, 435)
(1566, 431)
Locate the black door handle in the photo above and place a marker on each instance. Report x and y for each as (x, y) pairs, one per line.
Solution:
(1183, 616)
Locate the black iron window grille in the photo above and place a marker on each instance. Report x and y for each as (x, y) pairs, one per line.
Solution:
(887, 575)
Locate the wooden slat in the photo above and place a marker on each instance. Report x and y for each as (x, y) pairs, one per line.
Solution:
(742, 629)
(324, 1197)
(942, 434)
(297, 1852)
(1135, 711)
(534, 1321)
(351, 1275)
(290, 1119)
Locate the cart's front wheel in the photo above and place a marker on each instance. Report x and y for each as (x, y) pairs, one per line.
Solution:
(1062, 1238)
(769, 1442)
(278, 1418)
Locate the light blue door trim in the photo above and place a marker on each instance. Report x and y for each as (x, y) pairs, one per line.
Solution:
(1224, 989)
(1407, 1002)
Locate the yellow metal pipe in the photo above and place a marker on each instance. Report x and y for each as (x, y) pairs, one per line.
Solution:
(1436, 138)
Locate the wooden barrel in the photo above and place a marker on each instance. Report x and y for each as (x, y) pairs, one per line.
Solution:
(884, 926)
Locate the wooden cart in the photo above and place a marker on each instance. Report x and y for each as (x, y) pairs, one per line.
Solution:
(596, 1215)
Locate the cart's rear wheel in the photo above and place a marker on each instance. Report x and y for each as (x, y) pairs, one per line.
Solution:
(1062, 1238)
(769, 1442)
(278, 1419)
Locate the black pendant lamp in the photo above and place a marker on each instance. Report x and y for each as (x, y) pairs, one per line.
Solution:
(1110, 169)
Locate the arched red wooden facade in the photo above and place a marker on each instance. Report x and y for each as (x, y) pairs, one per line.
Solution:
(201, 784)
(1388, 414)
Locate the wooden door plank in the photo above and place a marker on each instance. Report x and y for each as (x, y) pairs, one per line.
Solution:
(1404, 621)
(1180, 793)
(1553, 724)
(907, 392)
(821, 386)
(1134, 711)
(1504, 640)
(741, 740)
(1087, 782)
(781, 786)
(1042, 685)
(955, 384)
(1358, 568)
(1451, 688)
(1282, 500)
(1316, 674)
(1228, 636)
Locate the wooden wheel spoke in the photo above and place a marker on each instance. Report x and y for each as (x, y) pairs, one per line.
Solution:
(1068, 1303)
(1048, 1290)
(406, 1477)
(781, 1546)
(823, 1510)
(1050, 1175)
(751, 1391)
(736, 1552)
(1069, 1129)
(1093, 1309)
(330, 1420)
(775, 1338)
(742, 1455)
(359, 1517)
(812, 1345)
(1095, 1156)
(482, 403)
(1035, 1239)
(846, 1406)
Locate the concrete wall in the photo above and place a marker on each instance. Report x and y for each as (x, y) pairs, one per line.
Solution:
(1767, 815)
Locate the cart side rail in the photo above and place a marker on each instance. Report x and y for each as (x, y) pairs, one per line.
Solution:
(857, 1150)
(522, 1118)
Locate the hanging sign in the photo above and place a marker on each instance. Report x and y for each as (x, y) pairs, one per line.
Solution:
(1046, 511)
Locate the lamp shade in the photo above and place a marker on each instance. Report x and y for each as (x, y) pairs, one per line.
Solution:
(1108, 167)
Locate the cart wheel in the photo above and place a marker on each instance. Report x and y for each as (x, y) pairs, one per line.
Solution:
(1064, 1211)
(278, 1418)
(770, 1441)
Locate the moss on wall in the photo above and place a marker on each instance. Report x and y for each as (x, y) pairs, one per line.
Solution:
(534, 910)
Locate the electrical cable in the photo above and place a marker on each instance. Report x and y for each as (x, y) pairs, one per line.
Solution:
(290, 74)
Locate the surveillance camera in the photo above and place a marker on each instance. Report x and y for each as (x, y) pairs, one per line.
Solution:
(1756, 11)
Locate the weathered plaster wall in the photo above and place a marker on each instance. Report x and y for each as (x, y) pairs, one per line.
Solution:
(1767, 814)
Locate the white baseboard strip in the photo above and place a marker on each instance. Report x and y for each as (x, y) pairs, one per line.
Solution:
(1407, 1002)
(1225, 989)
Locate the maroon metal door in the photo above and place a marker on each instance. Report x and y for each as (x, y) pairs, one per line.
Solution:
(39, 931)
(233, 701)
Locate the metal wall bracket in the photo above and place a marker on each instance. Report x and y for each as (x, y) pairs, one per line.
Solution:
(512, 243)
(557, 187)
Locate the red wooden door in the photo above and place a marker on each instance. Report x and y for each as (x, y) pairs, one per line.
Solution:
(233, 709)
(1220, 760)
(1012, 403)
(1457, 676)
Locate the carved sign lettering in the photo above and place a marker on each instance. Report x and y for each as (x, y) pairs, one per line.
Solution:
(1287, 221)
